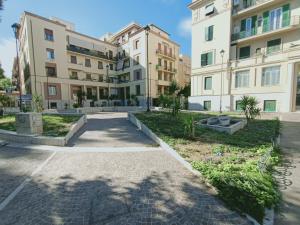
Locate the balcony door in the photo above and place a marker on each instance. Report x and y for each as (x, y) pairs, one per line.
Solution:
(248, 26)
(275, 19)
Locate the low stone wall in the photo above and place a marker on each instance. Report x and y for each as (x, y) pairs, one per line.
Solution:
(11, 136)
(87, 110)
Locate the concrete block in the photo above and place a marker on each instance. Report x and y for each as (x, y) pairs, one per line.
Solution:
(29, 123)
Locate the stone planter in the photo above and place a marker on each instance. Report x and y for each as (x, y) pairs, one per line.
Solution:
(213, 121)
(224, 120)
(29, 123)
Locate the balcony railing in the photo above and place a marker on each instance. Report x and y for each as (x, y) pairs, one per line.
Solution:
(94, 53)
(247, 4)
(290, 22)
(171, 70)
(167, 54)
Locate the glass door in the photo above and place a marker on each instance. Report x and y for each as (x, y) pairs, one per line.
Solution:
(275, 19)
(248, 26)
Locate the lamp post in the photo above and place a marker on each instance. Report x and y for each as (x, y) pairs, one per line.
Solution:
(107, 80)
(16, 28)
(48, 91)
(150, 70)
(221, 92)
(147, 29)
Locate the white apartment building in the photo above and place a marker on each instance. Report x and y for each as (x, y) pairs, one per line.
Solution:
(245, 47)
(110, 70)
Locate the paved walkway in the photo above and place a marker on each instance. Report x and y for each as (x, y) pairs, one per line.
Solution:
(121, 187)
(289, 174)
(109, 130)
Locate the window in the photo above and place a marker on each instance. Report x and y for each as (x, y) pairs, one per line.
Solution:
(271, 76)
(136, 44)
(270, 106)
(111, 66)
(242, 79)
(159, 62)
(206, 59)
(52, 90)
(244, 52)
(165, 65)
(51, 71)
(137, 60)
(53, 105)
(110, 54)
(238, 105)
(207, 83)
(209, 9)
(159, 46)
(88, 76)
(209, 33)
(100, 65)
(73, 59)
(248, 27)
(137, 74)
(275, 17)
(137, 89)
(50, 53)
(74, 75)
(48, 35)
(207, 105)
(273, 46)
(87, 62)
(159, 75)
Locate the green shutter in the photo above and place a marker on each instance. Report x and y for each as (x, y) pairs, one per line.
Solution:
(286, 17)
(244, 52)
(203, 59)
(243, 25)
(254, 25)
(266, 21)
(211, 32)
(209, 58)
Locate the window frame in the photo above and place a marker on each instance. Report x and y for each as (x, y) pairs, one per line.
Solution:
(275, 106)
(206, 88)
(242, 74)
(46, 36)
(268, 82)
(270, 49)
(50, 52)
(205, 105)
(247, 56)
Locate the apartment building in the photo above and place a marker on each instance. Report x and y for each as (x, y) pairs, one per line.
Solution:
(184, 69)
(245, 47)
(111, 70)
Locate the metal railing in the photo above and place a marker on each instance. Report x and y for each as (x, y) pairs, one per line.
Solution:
(94, 53)
(168, 54)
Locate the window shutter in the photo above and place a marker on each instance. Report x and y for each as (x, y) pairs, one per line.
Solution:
(286, 15)
(203, 59)
(254, 25)
(206, 33)
(209, 58)
(211, 32)
(243, 25)
(266, 22)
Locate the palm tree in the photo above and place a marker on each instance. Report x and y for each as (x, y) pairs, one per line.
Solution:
(249, 106)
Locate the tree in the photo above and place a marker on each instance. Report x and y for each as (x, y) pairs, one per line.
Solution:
(5, 83)
(5, 100)
(249, 106)
(80, 97)
(185, 91)
(37, 103)
(2, 73)
(173, 87)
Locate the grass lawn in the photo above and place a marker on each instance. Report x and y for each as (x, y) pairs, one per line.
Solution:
(53, 125)
(228, 162)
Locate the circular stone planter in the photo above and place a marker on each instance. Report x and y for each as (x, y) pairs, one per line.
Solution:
(212, 121)
(224, 120)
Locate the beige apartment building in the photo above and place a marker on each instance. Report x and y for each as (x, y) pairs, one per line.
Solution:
(245, 47)
(110, 70)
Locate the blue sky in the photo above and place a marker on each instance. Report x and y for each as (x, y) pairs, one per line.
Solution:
(95, 18)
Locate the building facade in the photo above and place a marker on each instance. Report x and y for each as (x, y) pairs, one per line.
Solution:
(57, 62)
(245, 47)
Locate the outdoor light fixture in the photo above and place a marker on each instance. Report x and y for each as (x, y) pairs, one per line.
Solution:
(16, 29)
(147, 29)
(221, 92)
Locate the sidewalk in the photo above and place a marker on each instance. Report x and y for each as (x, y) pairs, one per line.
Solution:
(289, 213)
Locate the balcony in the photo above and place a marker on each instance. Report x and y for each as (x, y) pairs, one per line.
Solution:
(168, 55)
(251, 6)
(256, 33)
(166, 69)
(88, 52)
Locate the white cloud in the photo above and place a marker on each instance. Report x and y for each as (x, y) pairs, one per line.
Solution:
(185, 27)
(7, 54)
